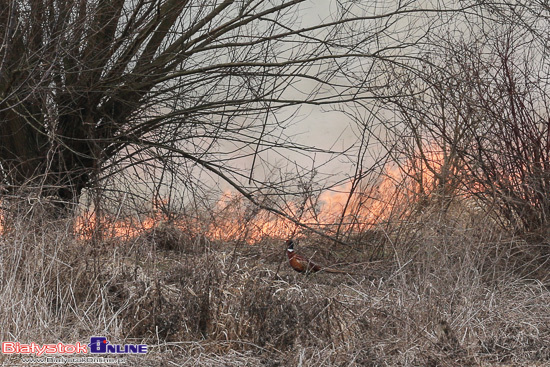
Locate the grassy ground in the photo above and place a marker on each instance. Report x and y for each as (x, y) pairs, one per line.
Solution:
(439, 293)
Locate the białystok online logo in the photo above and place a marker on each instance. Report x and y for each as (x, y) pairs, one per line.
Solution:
(98, 345)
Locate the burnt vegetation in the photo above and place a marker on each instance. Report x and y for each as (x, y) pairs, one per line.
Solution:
(153, 161)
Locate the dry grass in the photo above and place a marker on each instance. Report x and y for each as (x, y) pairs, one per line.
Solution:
(447, 293)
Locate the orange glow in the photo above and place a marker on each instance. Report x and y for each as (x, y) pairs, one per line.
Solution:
(86, 224)
(233, 219)
(334, 211)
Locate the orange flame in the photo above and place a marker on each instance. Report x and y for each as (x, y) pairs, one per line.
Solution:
(87, 224)
(232, 219)
(345, 208)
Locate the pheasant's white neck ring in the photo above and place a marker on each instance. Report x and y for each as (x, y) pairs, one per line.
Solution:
(290, 250)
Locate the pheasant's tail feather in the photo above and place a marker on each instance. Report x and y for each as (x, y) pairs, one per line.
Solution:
(336, 271)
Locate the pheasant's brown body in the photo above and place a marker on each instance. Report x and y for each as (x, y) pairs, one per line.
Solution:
(302, 264)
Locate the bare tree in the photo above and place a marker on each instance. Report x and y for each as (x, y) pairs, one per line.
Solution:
(89, 88)
(474, 118)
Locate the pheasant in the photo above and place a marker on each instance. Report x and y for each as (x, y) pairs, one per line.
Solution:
(303, 265)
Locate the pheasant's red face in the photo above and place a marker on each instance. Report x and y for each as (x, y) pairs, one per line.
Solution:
(290, 245)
